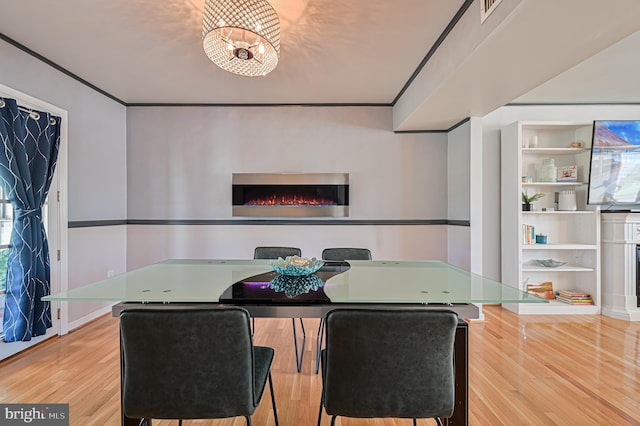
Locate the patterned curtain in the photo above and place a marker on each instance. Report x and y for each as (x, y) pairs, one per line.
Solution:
(29, 142)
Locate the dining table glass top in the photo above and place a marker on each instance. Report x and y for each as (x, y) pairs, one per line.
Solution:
(354, 281)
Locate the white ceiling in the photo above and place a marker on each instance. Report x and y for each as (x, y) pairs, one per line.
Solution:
(349, 52)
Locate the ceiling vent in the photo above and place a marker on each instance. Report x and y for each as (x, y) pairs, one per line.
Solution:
(487, 7)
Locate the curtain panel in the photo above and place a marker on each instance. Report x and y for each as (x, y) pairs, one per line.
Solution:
(30, 141)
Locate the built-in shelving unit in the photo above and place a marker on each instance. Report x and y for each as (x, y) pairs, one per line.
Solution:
(573, 236)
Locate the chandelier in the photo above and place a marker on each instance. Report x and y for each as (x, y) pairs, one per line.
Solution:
(241, 36)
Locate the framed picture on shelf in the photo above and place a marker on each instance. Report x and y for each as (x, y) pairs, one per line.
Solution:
(568, 174)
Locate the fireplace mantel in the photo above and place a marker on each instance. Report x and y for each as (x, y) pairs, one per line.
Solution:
(620, 239)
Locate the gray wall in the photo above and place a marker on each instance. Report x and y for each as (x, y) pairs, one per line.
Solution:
(458, 199)
(180, 159)
(459, 173)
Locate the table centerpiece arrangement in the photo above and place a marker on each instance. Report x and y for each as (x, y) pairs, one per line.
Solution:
(295, 275)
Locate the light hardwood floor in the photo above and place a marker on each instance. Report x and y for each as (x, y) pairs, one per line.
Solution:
(527, 370)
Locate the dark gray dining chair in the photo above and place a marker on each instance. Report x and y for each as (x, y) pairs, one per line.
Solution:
(192, 363)
(274, 252)
(389, 363)
(338, 254)
(346, 253)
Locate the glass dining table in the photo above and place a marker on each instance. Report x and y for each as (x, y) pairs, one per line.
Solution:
(254, 285)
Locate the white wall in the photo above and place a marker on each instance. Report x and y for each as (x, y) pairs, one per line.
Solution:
(492, 123)
(180, 161)
(95, 251)
(96, 158)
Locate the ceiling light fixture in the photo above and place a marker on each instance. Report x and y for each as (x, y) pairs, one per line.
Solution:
(241, 36)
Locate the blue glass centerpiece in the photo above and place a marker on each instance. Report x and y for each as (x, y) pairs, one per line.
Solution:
(296, 266)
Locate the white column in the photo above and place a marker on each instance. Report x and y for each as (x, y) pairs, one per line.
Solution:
(620, 237)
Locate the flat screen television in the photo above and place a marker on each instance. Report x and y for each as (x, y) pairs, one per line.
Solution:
(614, 175)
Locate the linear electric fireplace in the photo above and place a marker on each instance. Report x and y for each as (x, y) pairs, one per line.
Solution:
(291, 194)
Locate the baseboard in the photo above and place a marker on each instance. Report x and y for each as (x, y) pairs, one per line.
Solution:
(622, 313)
(89, 317)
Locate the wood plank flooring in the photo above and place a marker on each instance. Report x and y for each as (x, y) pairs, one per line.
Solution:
(527, 370)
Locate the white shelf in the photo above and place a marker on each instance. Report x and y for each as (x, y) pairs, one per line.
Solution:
(555, 307)
(553, 183)
(563, 268)
(565, 246)
(555, 151)
(558, 212)
(555, 125)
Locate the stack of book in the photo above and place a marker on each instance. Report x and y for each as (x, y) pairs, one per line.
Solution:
(574, 297)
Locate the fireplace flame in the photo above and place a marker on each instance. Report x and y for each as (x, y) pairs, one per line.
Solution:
(290, 200)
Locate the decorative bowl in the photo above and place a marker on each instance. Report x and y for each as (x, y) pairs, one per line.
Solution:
(550, 263)
(293, 286)
(296, 266)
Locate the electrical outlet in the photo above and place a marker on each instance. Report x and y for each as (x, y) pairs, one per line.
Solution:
(110, 273)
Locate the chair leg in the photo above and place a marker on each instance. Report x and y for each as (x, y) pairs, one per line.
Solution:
(253, 326)
(319, 344)
(415, 422)
(248, 420)
(179, 422)
(273, 399)
(295, 342)
(439, 421)
(333, 420)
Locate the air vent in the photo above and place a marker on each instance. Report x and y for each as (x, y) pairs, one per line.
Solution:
(487, 7)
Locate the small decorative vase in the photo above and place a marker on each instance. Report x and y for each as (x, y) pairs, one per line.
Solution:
(567, 200)
(526, 207)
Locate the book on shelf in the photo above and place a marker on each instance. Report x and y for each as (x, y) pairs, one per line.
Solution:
(528, 234)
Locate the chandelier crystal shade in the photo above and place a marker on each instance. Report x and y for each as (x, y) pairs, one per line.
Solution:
(241, 36)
